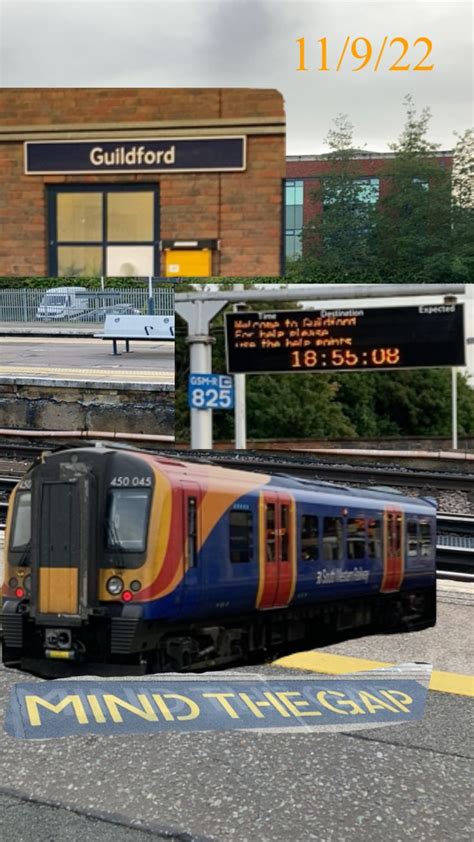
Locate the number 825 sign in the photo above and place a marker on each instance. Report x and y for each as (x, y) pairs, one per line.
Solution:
(211, 391)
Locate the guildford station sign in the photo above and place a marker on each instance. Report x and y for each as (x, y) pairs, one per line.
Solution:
(203, 154)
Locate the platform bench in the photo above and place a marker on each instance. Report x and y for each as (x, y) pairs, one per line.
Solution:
(159, 328)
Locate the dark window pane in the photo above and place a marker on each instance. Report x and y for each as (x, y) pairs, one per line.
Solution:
(127, 520)
(240, 536)
(270, 532)
(412, 537)
(356, 538)
(374, 535)
(21, 529)
(285, 526)
(332, 539)
(192, 532)
(309, 538)
(426, 538)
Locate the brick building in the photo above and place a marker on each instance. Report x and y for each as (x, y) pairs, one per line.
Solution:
(303, 172)
(141, 181)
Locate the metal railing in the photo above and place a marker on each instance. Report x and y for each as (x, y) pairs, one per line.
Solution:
(80, 306)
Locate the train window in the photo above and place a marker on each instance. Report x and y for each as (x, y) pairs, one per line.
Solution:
(356, 538)
(240, 536)
(426, 539)
(127, 520)
(192, 532)
(332, 539)
(310, 538)
(374, 535)
(270, 534)
(21, 534)
(412, 537)
(284, 532)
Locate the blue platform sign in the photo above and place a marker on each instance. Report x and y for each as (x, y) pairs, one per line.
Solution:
(211, 391)
(191, 154)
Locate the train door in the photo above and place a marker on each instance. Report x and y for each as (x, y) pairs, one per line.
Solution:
(277, 549)
(191, 539)
(63, 512)
(394, 551)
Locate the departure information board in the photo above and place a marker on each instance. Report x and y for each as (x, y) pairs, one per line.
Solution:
(357, 339)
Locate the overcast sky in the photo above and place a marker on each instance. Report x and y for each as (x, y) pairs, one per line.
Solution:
(252, 43)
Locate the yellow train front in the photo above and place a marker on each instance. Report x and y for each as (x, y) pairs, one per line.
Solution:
(118, 561)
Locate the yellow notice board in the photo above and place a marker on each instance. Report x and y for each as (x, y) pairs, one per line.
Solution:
(191, 263)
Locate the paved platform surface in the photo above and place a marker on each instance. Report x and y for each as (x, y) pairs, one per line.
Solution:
(84, 359)
(411, 781)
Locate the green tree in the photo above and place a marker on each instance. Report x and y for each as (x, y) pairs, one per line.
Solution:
(419, 231)
(338, 241)
(414, 220)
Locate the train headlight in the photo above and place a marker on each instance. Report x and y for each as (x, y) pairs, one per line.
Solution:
(13, 582)
(135, 585)
(114, 585)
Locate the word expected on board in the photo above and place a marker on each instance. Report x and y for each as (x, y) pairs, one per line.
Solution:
(345, 340)
(241, 702)
(211, 391)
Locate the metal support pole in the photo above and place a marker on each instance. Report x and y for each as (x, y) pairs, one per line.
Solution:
(454, 407)
(151, 308)
(200, 362)
(198, 315)
(240, 412)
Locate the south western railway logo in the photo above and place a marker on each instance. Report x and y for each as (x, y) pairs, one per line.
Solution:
(63, 708)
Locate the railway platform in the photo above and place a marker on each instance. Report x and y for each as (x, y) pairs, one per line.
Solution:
(75, 383)
(387, 784)
(60, 360)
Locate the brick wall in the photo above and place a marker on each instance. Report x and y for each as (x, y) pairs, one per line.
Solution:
(243, 210)
(310, 170)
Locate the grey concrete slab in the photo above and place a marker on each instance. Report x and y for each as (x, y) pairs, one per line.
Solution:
(24, 820)
(448, 646)
(73, 358)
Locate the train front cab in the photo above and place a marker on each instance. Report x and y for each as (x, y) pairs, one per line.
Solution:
(64, 544)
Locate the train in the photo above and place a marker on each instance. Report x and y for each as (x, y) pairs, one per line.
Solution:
(120, 561)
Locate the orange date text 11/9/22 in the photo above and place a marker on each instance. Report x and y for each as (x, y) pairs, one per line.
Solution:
(359, 53)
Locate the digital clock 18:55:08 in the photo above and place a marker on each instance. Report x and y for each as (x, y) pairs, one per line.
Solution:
(342, 358)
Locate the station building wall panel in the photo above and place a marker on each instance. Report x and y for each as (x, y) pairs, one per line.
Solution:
(238, 214)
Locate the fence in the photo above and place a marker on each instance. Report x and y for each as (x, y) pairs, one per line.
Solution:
(80, 306)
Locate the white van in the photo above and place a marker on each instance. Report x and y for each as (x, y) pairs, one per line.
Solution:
(63, 303)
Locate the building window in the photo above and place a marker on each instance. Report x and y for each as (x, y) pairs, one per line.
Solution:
(240, 536)
(422, 183)
(368, 190)
(103, 230)
(293, 218)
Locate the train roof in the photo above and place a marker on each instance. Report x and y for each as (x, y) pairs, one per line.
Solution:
(193, 467)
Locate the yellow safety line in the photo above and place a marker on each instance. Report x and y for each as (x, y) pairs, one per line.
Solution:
(444, 682)
(77, 340)
(124, 373)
